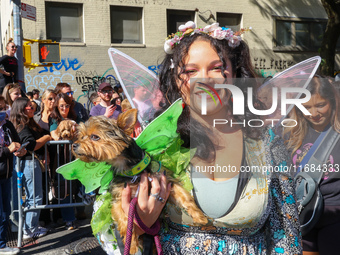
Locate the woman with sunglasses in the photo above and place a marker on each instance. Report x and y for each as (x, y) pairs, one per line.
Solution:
(47, 102)
(63, 108)
(42, 118)
(22, 118)
(9, 73)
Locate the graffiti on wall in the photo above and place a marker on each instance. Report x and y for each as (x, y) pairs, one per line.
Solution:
(47, 81)
(265, 67)
(64, 65)
(154, 68)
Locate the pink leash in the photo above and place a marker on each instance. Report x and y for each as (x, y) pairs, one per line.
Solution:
(151, 231)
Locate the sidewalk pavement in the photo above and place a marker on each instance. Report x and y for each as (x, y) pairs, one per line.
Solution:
(60, 241)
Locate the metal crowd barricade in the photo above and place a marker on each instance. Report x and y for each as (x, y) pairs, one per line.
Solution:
(22, 209)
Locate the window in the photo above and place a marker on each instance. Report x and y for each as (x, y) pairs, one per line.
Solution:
(64, 22)
(229, 20)
(299, 34)
(175, 18)
(126, 25)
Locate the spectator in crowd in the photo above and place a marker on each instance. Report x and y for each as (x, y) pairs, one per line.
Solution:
(29, 95)
(300, 137)
(140, 95)
(117, 101)
(47, 102)
(63, 108)
(11, 92)
(125, 105)
(9, 145)
(29, 131)
(3, 105)
(94, 98)
(36, 107)
(9, 74)
(78, 107)
(157, 102)
(42, 119)
(36, 96)
(105, 107)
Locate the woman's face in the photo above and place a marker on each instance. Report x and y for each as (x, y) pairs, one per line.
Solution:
(15, 93)
(63, 108)
(48, 101)
(29, 110)
(202, 70)
(321, 111)
(11, 49)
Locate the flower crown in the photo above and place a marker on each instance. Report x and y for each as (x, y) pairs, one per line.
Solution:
(213, 30)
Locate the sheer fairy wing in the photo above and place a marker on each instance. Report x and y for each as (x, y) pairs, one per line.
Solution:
(92, 175)
(297, 76)
(140, 85)
(161, 132)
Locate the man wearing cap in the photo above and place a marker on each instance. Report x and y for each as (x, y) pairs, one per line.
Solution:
(105, 107)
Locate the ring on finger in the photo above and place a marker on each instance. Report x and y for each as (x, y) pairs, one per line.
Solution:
(156, 196)
(160, 199)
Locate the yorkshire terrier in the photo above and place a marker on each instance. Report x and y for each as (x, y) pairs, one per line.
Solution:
(66, 129)
(103, 139)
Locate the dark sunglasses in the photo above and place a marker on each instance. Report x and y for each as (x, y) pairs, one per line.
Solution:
(14, 47)
(50, 98)
(69, 93)
(106, 91)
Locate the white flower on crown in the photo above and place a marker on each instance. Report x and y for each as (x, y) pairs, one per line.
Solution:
(168, 46)
(234, 41)
(211, 28)
(186, 26)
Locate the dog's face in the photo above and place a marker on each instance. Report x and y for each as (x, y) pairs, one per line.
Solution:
(66, 129)
(103, 139)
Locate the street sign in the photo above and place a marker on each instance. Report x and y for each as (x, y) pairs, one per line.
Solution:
(49, 52)
(28, 12)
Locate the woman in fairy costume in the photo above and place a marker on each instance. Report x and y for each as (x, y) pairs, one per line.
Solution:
(250, 212)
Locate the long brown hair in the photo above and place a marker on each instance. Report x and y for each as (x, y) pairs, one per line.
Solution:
(19, 118)
(8, 90)
(56, 114)
(326, 90)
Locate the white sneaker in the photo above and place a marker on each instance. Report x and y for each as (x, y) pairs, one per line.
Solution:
(39, 232)
(9, 250)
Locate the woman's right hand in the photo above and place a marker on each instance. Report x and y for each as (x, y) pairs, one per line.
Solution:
(148, 207)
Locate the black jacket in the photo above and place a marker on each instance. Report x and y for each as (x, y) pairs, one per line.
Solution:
(8, 134)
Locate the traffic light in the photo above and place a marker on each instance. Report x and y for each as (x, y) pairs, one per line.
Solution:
(49, 52)
(27, 53)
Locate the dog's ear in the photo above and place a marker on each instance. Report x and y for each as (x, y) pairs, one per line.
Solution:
(127, 120)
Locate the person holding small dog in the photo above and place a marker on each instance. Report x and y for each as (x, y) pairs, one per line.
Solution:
(29, 131)
(105, 107)
(78, 107)
(248, 212)
(63, 108)
(325, 114)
